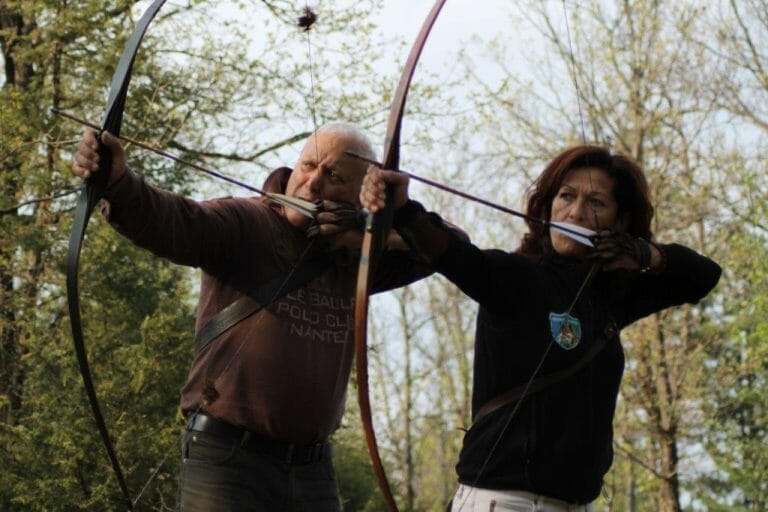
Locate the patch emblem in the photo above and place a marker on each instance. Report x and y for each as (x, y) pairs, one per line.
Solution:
(565, 329)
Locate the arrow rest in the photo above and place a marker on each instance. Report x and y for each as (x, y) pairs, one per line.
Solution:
(307, 19)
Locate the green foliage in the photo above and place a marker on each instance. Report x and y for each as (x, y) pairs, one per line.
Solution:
(358, 487)
(207, 91)
(140, 344)
(737, 411)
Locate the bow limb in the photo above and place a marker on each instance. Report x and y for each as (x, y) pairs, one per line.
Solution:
(90, 195)
(376, 231)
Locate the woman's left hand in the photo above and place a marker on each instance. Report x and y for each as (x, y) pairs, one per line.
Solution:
(373, 193)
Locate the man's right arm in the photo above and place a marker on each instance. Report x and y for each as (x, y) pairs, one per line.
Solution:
(200, 234)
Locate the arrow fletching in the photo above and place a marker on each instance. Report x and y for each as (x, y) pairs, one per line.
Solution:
(578, 233)
(302, 206)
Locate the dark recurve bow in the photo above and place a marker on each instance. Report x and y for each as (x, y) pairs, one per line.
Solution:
(89, 197)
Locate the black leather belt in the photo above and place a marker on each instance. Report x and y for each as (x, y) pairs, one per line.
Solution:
(289, 453)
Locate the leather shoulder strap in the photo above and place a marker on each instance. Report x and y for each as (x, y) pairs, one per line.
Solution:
(262, 295)
(547, 380)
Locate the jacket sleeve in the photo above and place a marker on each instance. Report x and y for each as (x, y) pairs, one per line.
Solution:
(686, 279)
(490, 277)
(495, 279)
(399, 268)
(402, 267)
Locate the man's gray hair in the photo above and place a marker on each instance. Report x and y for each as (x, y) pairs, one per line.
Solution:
(361, 144)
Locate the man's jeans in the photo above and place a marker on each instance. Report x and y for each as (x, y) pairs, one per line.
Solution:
(218, 475)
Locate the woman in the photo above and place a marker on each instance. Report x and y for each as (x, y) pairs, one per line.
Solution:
(548, 359)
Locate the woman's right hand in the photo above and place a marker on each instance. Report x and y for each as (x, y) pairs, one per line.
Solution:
(87, 156)
(373, 192)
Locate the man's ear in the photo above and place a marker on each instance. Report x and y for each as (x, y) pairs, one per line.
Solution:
(277, 180)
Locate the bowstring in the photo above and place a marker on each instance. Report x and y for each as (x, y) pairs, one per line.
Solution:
(582, 287)
(311, 244)
(293, 270)
(307, 29)
(574, 76)
(313, 97)
(575, 79)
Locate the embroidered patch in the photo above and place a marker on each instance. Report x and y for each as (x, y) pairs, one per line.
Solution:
(565, 329)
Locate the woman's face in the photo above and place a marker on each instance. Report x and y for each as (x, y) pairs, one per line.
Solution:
(585, 198)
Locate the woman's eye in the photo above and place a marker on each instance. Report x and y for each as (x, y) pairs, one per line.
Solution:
(597, 203)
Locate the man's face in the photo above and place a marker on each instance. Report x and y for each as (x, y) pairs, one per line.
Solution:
(324, 172)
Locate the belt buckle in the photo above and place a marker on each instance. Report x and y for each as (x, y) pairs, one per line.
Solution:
(307, 454)
(316, 453)
(289, 453)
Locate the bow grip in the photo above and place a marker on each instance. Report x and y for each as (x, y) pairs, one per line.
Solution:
(381, 221)
(97, 183)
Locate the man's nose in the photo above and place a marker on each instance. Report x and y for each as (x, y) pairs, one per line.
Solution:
(315, 181)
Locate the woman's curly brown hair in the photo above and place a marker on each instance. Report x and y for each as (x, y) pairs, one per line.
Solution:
(631, 193)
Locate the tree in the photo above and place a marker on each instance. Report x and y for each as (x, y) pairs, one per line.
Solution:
(193, 83)
(736, 433)
(628, 78)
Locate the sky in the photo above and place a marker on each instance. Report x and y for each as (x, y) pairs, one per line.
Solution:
(457, 23)
(399, 21)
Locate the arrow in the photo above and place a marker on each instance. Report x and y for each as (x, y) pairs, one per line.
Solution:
(580, 234)
(300, 205)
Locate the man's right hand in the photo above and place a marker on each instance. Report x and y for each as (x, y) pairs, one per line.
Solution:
(87, 156)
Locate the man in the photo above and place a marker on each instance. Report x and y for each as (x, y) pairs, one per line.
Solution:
(264, 395)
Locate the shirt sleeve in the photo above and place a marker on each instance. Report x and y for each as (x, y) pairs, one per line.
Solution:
(686, 279)
(399, 268)
(491, 277)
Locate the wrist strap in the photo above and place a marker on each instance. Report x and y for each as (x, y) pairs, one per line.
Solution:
(644, 254)
(663, 265)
